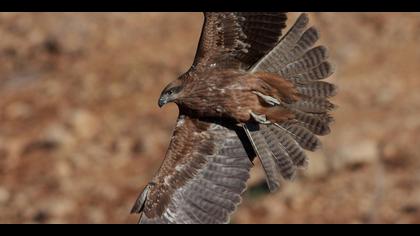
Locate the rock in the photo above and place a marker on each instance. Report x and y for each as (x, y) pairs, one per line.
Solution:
(41, 216)
(317, 166)
(363, 151)
(3, 154)
(52, 45)
(61, 207)
(395, 155)
(40, 145)
(96, 215)
(18, 110)
(4, 195)
(63, 169)
(60, 134)
(137, 147)
(84, 123)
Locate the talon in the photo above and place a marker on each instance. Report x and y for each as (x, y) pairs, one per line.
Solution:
(268, 99)
(262, 119)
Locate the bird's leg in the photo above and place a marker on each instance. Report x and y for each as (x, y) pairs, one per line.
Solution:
(268, 99)
(262, 119)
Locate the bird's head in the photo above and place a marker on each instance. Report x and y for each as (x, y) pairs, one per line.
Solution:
(171, 92)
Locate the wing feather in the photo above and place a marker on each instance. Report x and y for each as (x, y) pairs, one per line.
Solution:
(237, 39)
(202, 177)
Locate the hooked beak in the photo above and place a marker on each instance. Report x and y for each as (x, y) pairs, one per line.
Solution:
(162, 101)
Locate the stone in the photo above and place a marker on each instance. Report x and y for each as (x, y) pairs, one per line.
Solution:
(4, 195)
(363, 151)
(84, 123)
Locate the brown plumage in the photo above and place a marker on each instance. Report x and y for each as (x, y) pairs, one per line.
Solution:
(250, 92)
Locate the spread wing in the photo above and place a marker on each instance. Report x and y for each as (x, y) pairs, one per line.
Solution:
(207, 164)
(237, 39)
(201, 179)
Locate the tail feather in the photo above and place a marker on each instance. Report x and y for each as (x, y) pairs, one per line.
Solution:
(317, 124)
(291, 76)
(306, 41)
(295, 152)
(318, 89)
(277, 58)
(314, 57)
(278, 151)
(289, 40)
(262, 149)
(322, 71)
(284, 156)
(313, 105)
(303, 136)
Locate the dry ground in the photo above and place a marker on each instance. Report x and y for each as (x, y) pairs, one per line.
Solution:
(81, 132)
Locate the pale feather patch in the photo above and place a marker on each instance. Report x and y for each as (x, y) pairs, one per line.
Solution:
(262, 119)
(268, 99)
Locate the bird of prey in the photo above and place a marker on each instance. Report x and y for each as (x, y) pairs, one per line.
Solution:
(250, 92)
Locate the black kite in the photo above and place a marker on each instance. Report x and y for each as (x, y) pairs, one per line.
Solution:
(250, 92)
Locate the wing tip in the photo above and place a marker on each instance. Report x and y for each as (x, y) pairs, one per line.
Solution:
(141, 200)
(136, 209)
(302, 20)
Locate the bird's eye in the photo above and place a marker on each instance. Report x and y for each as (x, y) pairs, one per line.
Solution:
(170, 92)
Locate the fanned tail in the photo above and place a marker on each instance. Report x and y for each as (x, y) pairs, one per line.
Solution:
(296, 102)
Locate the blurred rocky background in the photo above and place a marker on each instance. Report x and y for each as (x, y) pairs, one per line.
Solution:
(81, 132)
